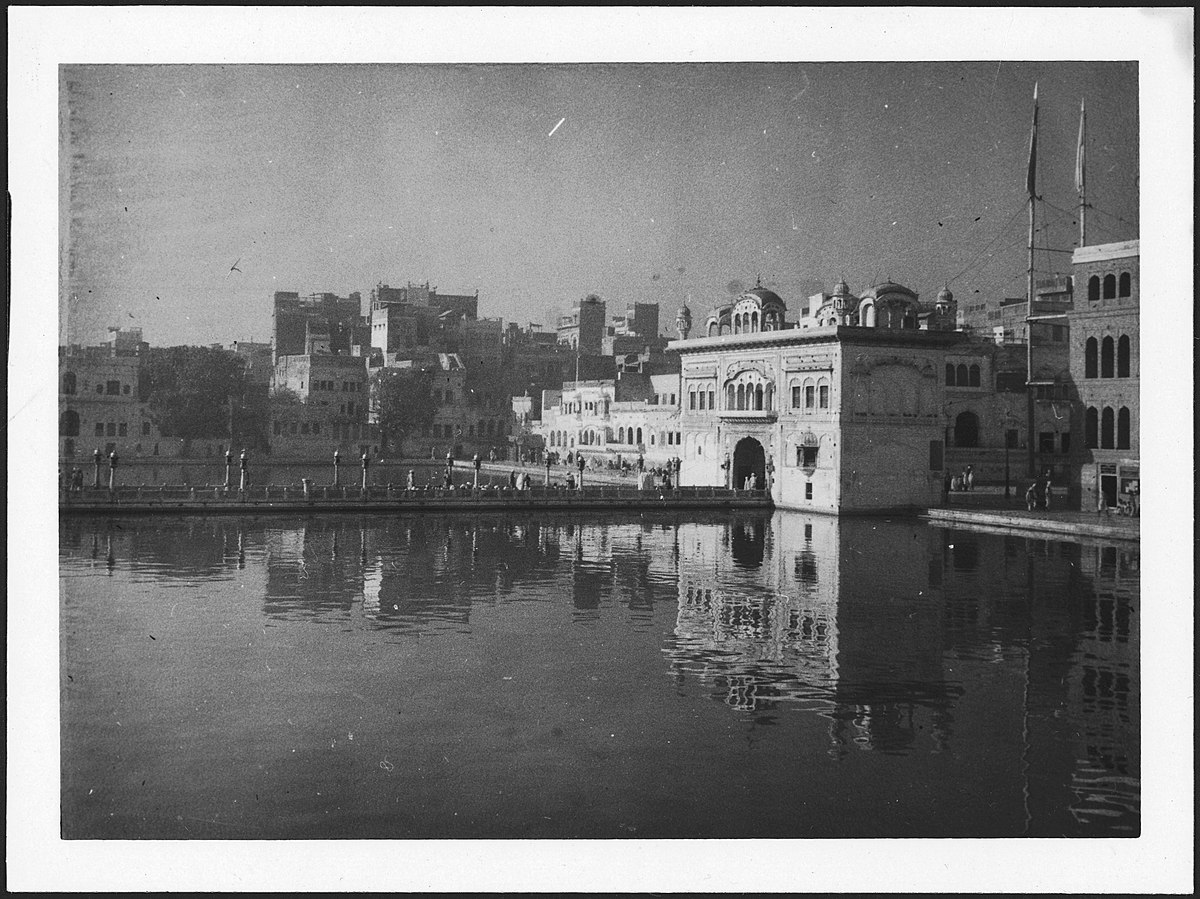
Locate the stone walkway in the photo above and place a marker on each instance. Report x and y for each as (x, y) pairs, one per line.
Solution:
(1086, 524)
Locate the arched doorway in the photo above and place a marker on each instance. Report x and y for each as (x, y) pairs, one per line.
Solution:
(966, 429)
(749, 458)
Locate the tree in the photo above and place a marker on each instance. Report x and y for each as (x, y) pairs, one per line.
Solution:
(403, 402)
(192, 392)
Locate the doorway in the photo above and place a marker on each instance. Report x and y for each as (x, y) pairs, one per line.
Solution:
(749, 459)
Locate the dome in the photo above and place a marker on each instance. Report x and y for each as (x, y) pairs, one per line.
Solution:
(944, 296)
(841, 289)
(765, 297)
(889, 288)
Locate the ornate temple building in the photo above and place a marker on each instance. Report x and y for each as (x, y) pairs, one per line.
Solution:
(842, 411)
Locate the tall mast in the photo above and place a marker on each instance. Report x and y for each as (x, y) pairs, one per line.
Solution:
(1030, 183)
(1080, 175)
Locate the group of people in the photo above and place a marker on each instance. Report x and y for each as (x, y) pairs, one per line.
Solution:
(72, 480)
(964, 481)
(1039, 494)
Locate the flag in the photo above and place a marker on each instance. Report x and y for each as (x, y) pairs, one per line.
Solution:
(1030, 179)
(1079, 151)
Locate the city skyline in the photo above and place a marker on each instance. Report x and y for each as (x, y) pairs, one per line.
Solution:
(192, 193)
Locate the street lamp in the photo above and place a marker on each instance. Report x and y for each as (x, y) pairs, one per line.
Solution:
(1007, 488)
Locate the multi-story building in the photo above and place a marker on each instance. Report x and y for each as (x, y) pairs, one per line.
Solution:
(614, 420)
(584, 328)
(424, 296)
(319, 404)
(1104, 366)
(835, 417)
(319, 323)
(101, 402)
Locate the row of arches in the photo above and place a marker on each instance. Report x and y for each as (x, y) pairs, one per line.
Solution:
(749, 397)
(1110, 287)
(962, 375)
(750, 322)
(592, 437)
(812, 394)
(1106, 429)
(702, 399)
(1099, 357)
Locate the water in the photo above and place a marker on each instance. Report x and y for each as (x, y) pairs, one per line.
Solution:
(770, 675)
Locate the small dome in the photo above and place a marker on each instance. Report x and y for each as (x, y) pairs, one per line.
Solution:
(841, 289)
(945, 296)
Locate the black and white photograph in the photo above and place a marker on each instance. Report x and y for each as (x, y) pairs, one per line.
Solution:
(511, 449)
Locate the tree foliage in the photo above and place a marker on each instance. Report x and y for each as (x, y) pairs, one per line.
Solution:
(404, 403)
(196, 392)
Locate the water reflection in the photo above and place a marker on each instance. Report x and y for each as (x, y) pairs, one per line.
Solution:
(889, 637)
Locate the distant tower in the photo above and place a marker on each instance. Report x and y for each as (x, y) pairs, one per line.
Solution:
(841, 293)
(946, 308)
(683, 321)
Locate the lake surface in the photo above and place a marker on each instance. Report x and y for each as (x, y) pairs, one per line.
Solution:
(557, 676)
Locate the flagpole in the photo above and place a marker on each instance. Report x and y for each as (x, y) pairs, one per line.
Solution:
(1030, 184)
(1081, 174)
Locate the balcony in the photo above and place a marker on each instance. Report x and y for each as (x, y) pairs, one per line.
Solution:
(749, 416)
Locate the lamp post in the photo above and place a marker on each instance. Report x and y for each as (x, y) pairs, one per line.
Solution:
(337, 462)
(580, 463)
(366, 461)
(96, 459)
(477, 466)
(112, 470)
(228, 468)
(1007, 488)
(243, 462)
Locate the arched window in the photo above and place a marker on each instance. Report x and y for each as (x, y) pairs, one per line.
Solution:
(974, 376)
(692, 400)
(1106, 428)
(769, 397)
(730, 398)
(966, 429)
(1091, 428)
(753, 321)
(1093, 288)
(1106, 358)
(68, 425)
(1110, 287)
(961, 376)
(1123, 285)
(712, 399)
(741, 397)
(68, 384)
(639, 435)
(950, 382)
(1090, 352)
(1123, 428)
(758, 397)
(1123, 356)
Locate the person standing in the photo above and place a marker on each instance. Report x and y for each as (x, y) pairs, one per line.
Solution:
(969, 478)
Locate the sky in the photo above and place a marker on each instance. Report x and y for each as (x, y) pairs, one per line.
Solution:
(538, 184)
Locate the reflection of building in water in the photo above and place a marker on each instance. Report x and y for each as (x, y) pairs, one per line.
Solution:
(1095, 760)
(811, 625)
